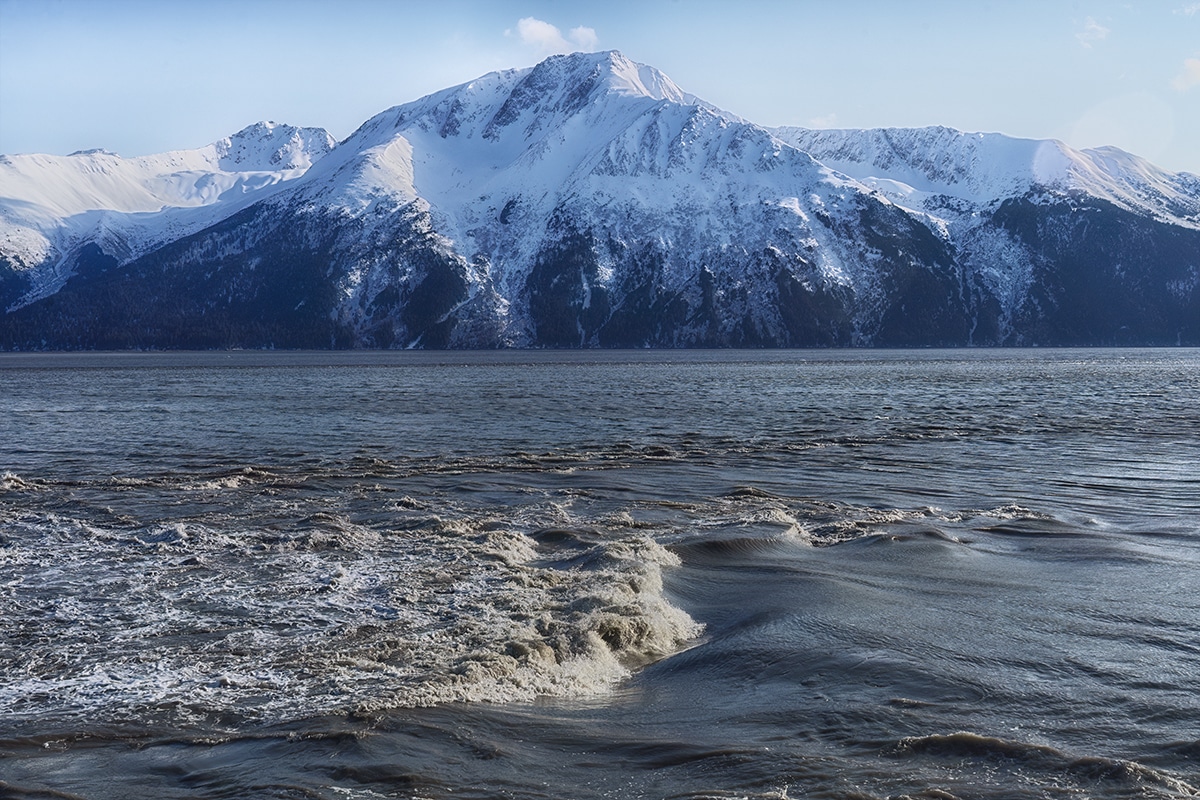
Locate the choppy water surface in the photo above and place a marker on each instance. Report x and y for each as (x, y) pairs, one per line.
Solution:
(966, 574)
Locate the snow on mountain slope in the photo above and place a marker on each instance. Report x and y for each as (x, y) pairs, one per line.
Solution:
(913, 165)
(49, 205)
(538, 122)
(592, 138)
(957, 181)
(1133, 182)
(510, 167)
(974, 167)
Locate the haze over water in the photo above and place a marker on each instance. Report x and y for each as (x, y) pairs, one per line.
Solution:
(681, 574)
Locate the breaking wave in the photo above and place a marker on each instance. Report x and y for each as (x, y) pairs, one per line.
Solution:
(187, 621)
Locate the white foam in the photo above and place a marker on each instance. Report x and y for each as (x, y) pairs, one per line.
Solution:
(333, 616)
(12, 482)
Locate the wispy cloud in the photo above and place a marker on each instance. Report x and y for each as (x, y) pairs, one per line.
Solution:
(1189, 11)
(1189, 77)
(548, 39)
(827, 121)
(1092, 32)
(584, 37)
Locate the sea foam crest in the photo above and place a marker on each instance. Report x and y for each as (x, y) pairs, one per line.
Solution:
(185, 621)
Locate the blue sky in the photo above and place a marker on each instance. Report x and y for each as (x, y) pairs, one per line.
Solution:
(144, 76)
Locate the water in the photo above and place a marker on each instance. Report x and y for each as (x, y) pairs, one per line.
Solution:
(736, 574)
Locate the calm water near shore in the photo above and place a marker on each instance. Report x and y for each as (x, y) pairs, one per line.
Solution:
(612, 574)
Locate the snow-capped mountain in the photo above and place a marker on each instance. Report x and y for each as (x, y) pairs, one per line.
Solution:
(589, 201)
(51, 207)
(913, 165)
(960, 182)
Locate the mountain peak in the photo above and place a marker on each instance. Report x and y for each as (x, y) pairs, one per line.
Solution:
(615, 72)
(271, 146)
(562, 86)
(520, 106)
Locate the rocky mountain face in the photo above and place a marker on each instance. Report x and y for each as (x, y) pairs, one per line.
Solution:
(589, 202)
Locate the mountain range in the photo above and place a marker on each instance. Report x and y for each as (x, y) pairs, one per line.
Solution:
(590, 202)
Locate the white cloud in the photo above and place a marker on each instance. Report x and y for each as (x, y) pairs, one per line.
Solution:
(1191, 10)
(1092, 32)
(547, 39)
(827, 121)
(584, 37)
(1189, 77)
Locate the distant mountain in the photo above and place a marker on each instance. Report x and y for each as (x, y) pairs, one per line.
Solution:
(585, 202)
(61, 214)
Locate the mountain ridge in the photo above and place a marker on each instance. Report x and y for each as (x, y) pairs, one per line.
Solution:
(64, 203)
